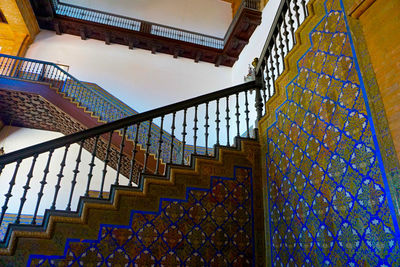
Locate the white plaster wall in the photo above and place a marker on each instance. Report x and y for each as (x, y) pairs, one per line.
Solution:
(142, 80)
(14, 138)
(211, 17)
(256, 43)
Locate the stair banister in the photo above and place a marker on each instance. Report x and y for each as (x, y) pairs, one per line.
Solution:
(125, 122)
(281, 35)
(270, 65)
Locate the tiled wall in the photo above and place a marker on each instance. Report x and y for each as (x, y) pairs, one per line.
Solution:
(212, 227)
(329, 201)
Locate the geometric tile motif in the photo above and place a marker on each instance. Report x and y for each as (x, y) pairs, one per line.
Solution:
(211, 227)
(10, 218)
(328, 204)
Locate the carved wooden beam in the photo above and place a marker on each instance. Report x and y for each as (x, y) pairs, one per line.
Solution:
(83, 33)
(57, 28)
(218, 61)
(198, 56)
(107, 37)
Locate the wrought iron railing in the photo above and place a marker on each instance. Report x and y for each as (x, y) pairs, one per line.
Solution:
(78, 12)
(212, 119)
(101, 104)
(281, 39)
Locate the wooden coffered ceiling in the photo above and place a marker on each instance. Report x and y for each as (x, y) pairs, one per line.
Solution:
(237, 37)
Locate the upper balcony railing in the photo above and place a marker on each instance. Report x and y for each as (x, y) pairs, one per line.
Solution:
(101, 104)
(87, 14)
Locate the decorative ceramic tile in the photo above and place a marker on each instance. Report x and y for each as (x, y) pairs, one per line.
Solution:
(328, 200)
(211, 227)
(10, 218)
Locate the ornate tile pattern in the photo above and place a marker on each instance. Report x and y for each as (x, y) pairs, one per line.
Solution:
(212, 227)
(329, 203)
(10, 218)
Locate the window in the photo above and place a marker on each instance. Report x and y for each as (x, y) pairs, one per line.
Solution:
(2, 17)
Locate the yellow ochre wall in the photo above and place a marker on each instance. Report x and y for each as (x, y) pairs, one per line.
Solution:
(380, 21)
(236, 3)
(21, 29)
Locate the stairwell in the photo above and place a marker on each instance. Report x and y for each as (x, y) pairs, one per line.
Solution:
(184, 165)
(282, 197)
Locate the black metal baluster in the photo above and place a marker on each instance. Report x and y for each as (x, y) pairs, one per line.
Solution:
(60, 175)
(27, 70)
(184, 136)
(96, 17)
(26, 188)
(303, 3)
(296, 9)
(237, 116)
(35, 71)
(291, 21)
(268, 87)
(272, 70)
(52, 74)
(206, 126)
(23, 68)
(106, 161)
(59, 82)
(264, 88)
(195, 130)
(172, 137)
(91, 165)
(75, 13)
(276, 55)
(16, 67)
(42, 185)
(9, 195)
(2, 66)
(258, 101)
(160, 142)
(75, 171)
(246, 103)
(285, 30)
(227, 118)
(148, 145)
(217, 121)
(134, 151)
(281, 46)
(8, 71)
(121, 154)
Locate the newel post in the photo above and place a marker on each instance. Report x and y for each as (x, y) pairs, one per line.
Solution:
(260, 85)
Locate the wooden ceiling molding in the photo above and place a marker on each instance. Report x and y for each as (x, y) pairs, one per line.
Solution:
(238, 35)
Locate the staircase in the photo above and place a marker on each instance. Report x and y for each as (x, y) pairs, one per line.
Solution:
(74, 107)
(113, 183)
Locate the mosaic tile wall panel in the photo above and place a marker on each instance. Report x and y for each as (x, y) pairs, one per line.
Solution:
(212, 227)
(328, 195)
(10, 218)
